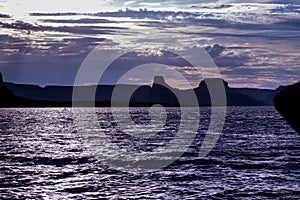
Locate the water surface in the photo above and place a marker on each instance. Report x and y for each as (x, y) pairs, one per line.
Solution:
(43, 155)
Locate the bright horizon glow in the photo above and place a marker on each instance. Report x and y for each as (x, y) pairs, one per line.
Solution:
(19, 9)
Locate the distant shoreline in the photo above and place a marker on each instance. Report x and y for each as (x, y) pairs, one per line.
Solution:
(22, 96)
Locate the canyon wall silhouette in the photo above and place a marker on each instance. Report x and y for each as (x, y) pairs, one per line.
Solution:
(24, 95)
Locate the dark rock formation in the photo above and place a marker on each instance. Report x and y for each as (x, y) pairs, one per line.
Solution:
(7, 98)
(287, 102)
(162, 93)
(159, 93)
(234, 98)
(263, 95)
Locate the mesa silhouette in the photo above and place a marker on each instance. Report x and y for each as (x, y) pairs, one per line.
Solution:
(24, 95)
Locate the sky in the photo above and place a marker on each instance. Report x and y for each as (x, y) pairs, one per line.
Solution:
(254, 43)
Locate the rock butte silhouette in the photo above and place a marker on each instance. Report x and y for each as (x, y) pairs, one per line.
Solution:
(287, 102)
(24, 95)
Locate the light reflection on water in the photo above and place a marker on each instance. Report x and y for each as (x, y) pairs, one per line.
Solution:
(42, 156)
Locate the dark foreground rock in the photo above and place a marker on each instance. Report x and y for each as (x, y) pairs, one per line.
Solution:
(287, 102)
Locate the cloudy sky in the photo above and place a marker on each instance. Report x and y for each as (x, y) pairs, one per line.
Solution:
(254, 43)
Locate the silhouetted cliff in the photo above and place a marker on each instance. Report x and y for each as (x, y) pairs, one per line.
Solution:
(159, 93)
(7, 98)
(287, 102)
(234, 98)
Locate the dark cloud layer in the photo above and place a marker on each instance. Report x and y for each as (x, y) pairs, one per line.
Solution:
(215, 51)
(225, 57)
(19, 25)
(182, 19)
(4, 16)
(59, 48)
(79, 21)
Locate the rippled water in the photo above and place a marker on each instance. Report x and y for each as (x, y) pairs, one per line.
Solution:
(43, 155)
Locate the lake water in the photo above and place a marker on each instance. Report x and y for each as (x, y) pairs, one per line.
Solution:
(43, 155)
